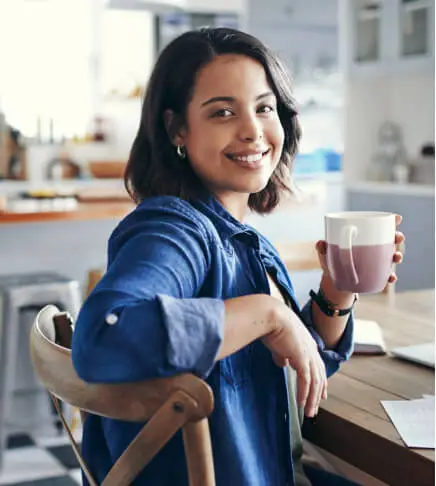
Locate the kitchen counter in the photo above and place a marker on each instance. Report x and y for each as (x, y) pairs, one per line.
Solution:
(82, 211)
(391, 188)
(308, 187)
(97, 199)
(74, 240)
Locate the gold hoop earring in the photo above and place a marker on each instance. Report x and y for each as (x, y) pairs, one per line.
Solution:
(181, 152)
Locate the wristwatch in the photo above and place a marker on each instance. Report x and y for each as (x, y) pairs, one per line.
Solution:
(327, 307)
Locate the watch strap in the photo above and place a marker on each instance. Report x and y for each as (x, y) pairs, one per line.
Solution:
(327, 307)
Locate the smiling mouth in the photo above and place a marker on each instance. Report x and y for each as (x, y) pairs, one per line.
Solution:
(251, 159)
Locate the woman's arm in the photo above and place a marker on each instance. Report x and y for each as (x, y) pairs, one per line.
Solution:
(143, 319)
(246, 319)
(331, 329)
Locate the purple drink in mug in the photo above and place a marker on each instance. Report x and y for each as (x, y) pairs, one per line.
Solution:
(360, 249)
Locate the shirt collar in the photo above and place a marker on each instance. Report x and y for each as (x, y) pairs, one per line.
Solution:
(227, 225)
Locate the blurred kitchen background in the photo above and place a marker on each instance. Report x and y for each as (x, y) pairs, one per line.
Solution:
(72, 77)
(73, 74)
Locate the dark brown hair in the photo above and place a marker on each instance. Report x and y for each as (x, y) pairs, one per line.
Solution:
(154, 168)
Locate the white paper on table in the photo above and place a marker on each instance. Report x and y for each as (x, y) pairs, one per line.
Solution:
(429, 397)
(414, 421)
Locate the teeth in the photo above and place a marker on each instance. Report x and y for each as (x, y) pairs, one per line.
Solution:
(248, 158)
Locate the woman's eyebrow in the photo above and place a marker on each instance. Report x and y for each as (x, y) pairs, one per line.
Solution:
(231, 99)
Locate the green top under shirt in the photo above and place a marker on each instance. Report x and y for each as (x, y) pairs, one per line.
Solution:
(296, 417)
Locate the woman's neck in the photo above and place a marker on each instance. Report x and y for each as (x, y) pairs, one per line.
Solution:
(235, 203)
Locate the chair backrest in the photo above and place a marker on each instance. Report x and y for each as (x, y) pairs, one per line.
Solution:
(298, 255)
(168, 404)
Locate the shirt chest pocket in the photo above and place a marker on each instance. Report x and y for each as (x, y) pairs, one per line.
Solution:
(239, 369)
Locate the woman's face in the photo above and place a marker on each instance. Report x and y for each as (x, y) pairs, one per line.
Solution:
(233, 137)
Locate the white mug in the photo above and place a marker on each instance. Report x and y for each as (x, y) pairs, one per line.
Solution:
(360, 249)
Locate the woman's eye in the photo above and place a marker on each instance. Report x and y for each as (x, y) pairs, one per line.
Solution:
(266, 108)
(224, 113)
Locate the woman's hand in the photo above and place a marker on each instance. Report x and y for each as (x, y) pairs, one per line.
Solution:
(292, 343)
(321, 247)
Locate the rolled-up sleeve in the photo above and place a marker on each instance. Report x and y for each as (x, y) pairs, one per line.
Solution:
(194, 328)
(143, 320)
(331, 357)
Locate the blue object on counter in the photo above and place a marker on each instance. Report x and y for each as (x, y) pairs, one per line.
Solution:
(320, 160)
(333, 160)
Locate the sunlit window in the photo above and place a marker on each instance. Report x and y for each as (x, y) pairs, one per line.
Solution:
(62, 59)
(46, 70)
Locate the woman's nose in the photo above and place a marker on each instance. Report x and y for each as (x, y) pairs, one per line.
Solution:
(250, 129)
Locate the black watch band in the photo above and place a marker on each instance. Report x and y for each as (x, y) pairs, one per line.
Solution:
(327, 307)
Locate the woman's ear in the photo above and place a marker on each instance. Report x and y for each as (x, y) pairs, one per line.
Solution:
(174, 127)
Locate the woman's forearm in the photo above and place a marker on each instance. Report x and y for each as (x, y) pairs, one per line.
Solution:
(331, 329)
(247, 318)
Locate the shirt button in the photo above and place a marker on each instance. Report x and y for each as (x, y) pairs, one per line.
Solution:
(111, 319)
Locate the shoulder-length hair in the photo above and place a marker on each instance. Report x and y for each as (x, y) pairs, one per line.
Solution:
(153, 167)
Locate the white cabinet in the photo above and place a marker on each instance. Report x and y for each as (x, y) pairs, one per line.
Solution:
(379, 37)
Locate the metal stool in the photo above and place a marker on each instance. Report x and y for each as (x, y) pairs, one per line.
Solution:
(19, 292)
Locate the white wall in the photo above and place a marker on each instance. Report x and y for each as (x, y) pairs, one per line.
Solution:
(406, 99)
(299, 29)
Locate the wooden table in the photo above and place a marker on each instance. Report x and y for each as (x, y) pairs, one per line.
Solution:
(352, 423)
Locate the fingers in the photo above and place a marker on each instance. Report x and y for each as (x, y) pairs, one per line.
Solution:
(399, 238)
(303, 384)
(323, 382)
(321, 247)
(324, 392)
(324, 374)
(398, 257)
(279, 360)
(398, 219)
(318, 387)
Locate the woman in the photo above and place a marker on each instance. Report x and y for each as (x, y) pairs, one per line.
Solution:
(190, 288)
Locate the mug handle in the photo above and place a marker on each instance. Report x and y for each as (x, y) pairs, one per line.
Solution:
(348, 234)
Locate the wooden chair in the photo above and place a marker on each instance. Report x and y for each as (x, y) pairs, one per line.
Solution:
(94, 277)
(168, 404)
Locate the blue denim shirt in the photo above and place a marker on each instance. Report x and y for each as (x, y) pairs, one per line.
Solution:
(171, 265)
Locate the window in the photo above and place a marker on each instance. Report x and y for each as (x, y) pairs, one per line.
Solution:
(47, 69)
(415, 16)
(63, 60)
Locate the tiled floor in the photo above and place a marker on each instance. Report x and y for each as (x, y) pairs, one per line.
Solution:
(40, 461)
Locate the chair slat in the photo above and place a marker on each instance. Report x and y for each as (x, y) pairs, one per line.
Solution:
(136, 401)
